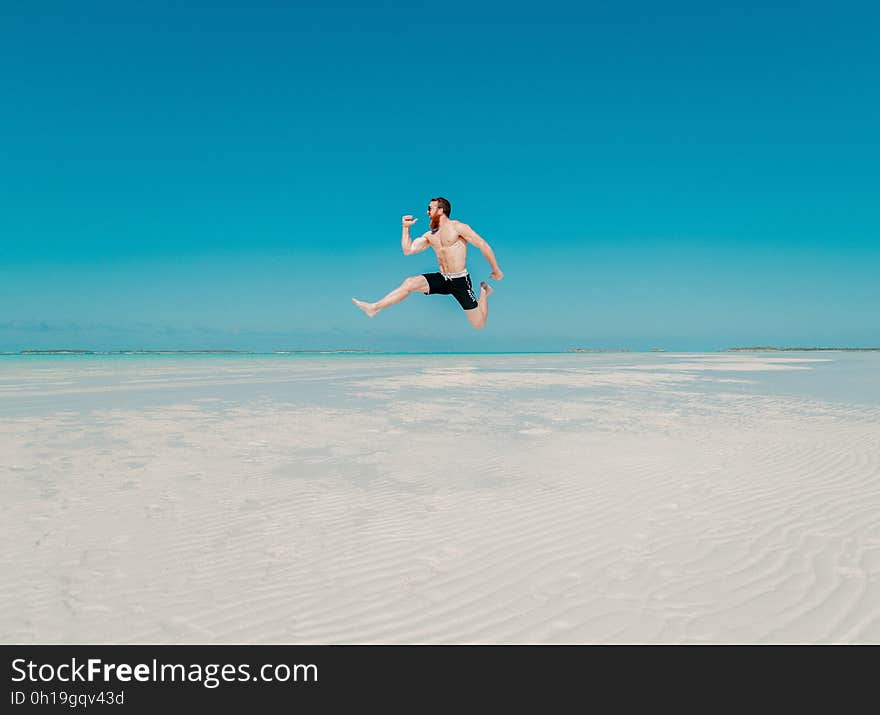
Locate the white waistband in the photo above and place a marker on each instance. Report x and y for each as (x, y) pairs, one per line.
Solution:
(449, 276)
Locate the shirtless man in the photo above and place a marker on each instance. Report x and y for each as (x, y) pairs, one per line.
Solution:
(449, 239)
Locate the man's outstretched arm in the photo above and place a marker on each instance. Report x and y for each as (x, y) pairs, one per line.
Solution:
(473, 238)
(406, 243)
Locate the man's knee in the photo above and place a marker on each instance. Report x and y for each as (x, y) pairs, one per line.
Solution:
(414, 283)
(477, 321)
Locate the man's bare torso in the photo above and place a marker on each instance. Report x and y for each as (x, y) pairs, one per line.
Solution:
(450, 247)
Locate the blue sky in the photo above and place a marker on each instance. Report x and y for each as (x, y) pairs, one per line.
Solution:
(678, 175)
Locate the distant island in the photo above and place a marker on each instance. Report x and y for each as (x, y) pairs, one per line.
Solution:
(54, 352)
(770, 348)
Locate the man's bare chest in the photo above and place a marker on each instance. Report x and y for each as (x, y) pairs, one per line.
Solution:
(445, 240)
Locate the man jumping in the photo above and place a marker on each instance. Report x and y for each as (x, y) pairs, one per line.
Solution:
(449, 239)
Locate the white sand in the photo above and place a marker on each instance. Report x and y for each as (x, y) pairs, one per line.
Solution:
(484, 499)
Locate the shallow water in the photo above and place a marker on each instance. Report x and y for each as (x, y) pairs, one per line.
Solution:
(31, 385)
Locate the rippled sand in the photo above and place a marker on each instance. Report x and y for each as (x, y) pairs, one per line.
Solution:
(438, 499)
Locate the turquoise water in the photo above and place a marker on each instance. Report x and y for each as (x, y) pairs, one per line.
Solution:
(32, 384)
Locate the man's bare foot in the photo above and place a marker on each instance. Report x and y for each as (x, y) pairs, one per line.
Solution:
(486, 289)
(366, 307)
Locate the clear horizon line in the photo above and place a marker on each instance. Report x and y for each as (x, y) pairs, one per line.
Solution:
(278, 351)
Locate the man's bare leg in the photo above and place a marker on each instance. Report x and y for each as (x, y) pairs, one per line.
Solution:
(479, 315)
(414, 284)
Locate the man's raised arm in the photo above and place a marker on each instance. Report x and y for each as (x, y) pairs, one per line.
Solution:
(406, 243)
(473, 238)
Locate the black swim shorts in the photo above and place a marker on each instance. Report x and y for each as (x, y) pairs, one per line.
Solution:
(458, 286)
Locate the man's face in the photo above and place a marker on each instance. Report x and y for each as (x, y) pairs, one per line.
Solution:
(433, 209)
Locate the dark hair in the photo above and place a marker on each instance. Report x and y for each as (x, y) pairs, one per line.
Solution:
(444, 204)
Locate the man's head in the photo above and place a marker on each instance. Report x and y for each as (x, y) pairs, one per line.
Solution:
(437, 207)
